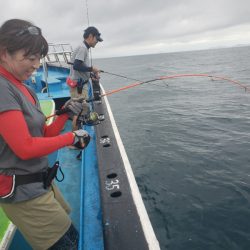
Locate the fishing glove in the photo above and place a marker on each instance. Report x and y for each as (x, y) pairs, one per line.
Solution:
(72, 107)
(82, 139)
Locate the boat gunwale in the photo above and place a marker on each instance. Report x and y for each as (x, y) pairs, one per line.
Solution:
(127, 171)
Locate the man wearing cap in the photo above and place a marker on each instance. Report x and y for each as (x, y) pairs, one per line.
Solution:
(81, 67)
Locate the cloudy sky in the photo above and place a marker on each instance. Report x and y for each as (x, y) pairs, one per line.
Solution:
(132, 27)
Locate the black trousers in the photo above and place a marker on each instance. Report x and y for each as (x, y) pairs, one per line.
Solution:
(69, 241)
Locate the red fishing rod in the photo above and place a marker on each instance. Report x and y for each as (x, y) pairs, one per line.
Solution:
(247, 88)
(161, 78)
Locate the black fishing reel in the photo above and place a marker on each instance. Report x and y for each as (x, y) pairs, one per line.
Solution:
(89, 119)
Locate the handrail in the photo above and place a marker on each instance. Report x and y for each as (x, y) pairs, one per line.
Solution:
(58, 53)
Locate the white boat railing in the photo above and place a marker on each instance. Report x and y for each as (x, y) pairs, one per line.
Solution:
(59, 53)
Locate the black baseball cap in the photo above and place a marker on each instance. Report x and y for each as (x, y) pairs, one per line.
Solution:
(94, 31)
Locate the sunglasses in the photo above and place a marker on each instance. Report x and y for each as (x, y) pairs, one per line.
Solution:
(32, 30)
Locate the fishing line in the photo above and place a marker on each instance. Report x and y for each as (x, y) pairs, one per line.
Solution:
(90, 51)
(87, 11)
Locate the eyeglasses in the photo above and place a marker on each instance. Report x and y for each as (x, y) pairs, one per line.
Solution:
(32, 30)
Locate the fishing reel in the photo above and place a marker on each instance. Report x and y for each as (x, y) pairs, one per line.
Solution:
(90, 119)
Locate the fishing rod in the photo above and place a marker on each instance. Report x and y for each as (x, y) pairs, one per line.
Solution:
(128, 78)
(247, 88)
(113, 74)
(138, 83)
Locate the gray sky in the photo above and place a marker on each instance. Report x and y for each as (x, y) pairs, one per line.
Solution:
(132, 27)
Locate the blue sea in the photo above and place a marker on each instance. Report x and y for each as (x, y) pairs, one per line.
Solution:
(188, 141)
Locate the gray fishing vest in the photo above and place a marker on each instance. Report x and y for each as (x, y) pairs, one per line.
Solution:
(11, 98)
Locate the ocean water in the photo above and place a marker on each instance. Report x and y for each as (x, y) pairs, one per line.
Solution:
(188, 141)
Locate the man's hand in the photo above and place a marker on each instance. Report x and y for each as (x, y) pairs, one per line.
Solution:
(73, 107)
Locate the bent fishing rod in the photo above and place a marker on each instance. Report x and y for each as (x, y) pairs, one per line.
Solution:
(247, 88)
(138, 83)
